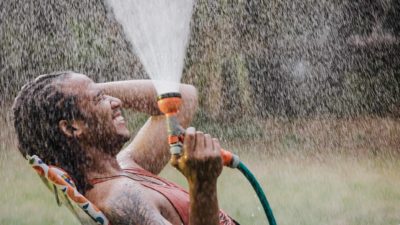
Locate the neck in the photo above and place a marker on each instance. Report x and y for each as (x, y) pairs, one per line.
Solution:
(101, 163)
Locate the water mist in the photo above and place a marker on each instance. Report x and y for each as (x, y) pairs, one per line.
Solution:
(158, 31)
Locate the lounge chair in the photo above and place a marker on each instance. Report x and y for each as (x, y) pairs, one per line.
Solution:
(65, 192)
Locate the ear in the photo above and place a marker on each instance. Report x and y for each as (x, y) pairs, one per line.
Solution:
(71, 129)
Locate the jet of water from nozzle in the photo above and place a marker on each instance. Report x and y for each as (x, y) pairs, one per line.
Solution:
(158, 31)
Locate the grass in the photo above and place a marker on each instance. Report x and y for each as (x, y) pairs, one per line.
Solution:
(329, 191)
(302, 188)
(25, 199)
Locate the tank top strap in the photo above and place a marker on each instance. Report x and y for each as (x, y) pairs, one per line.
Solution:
(143, 172)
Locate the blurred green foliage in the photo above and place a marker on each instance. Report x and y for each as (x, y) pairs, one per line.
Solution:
(247, 58)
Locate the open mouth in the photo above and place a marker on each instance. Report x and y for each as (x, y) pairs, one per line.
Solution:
(117, 116)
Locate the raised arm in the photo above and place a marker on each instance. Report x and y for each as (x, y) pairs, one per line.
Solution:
(201, 164)
(137, 95)
(149, 148)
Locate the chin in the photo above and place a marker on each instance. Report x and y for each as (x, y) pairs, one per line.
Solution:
(125, 134)
(118, 143)
(126, 137)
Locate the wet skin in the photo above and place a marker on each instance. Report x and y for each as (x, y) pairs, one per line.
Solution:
(102, 134)
(103, 117)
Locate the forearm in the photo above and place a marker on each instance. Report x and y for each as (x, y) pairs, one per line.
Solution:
(141, 95)
(137, 95)
(203, 203)
(201, 164)
(149, 148)
(143, 149)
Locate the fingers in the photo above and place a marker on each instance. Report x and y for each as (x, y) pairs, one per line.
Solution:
(198, 144)
(208, 142)
(190, 140)
(200, 141)
(201, 159)
(216, 146)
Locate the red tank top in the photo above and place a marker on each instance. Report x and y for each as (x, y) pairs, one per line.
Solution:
(176, 195)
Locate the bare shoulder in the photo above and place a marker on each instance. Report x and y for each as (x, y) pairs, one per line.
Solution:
(125, 203)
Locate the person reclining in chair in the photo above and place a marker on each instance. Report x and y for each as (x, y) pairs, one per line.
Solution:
(76, 124)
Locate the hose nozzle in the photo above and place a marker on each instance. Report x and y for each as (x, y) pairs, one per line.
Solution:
(169, 104)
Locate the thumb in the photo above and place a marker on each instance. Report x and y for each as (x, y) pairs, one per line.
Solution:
(189, 141)
(175, 160)
(188, 146)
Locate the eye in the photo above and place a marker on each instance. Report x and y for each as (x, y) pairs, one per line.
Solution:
(99, 97)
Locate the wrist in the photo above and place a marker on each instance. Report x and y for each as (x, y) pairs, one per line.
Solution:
(203, 202)
(202, 185)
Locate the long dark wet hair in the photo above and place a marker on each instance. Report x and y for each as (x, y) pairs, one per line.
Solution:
(38, 108)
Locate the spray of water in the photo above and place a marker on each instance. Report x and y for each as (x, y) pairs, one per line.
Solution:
(158, 31)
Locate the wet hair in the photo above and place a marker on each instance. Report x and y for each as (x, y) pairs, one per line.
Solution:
(38, 108)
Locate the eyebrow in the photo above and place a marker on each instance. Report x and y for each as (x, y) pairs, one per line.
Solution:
(98, 94)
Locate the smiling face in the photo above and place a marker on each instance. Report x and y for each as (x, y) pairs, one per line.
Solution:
(103, 124)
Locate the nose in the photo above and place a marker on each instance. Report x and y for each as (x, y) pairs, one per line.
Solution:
(115, 102)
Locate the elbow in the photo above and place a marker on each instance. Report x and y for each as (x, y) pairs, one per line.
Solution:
(190, 95)
(189, 103)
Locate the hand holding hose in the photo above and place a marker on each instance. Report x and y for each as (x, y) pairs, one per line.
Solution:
(201, 159)
(201, 163)
(169, 104)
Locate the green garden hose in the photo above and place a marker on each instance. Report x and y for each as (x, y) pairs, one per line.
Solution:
(259, 191)
(169, 104)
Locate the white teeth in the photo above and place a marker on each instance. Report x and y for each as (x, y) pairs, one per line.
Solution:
(119, 118)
